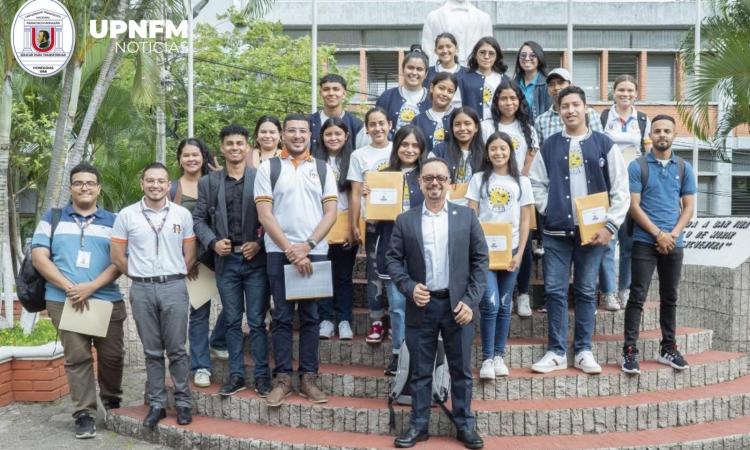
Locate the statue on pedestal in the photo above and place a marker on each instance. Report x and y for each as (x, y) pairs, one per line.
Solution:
(462, 19)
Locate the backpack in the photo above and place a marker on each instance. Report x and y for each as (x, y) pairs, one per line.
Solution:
(642, 121)
(29, 282)
(275, 163)
(441, 382)
(206, 256)
(643, 163)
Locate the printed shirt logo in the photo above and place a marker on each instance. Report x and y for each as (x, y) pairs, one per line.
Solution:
(515, 141)
(42, 37)
(382, 165)
(406, 115)
(575, 161)
(438, 136)
(176, 228)
(499, 199)
(486, 96)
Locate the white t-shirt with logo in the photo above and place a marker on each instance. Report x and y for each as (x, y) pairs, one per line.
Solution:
(343, 198)
(505, 199)
(578, 184)
(367, 158)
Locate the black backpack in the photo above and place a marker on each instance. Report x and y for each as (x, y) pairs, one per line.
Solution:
(320, 165)
(643, 163)
(29, 282)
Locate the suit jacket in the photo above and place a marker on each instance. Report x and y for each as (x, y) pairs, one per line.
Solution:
(468, 258)
(210, 214)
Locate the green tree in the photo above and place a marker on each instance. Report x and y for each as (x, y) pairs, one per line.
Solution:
(724, 70)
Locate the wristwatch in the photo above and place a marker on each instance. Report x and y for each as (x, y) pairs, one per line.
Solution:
(311, 243)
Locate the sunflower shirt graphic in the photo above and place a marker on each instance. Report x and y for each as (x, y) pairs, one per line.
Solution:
(438, 135)
(406, 115)
(575, 160)
(499, 199)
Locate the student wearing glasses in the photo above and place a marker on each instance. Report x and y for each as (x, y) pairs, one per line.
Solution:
(531, 76)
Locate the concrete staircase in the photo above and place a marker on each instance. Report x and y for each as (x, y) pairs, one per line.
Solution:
(706, 406)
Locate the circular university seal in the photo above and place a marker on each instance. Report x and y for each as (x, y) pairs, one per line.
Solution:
(43, 37)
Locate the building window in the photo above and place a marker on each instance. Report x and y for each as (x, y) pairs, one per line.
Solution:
(740, 196)
(661, 78)
(382, 72)
(586, 73)
(620, 64)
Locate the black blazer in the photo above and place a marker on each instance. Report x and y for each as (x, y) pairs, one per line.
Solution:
(468, 258)
(210, 214)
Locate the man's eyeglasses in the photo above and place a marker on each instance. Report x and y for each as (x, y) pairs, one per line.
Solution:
(88, 184)
(525, 55)
(442, 179)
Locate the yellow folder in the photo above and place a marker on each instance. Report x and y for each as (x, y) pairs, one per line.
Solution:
(340, 230)
(458, 191)
(532, 219)
(591, 211)
(386, 195)
(499, 237)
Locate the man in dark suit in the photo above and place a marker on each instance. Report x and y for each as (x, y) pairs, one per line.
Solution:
(227, 222)
(444, 278)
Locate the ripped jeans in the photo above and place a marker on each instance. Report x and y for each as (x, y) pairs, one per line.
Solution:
(495, 311)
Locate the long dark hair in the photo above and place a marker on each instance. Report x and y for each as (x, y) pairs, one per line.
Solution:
(522, 113)
(487, 167)
(476, 147)
(541, 61)
(451, 38)
(499, 66)
(345, 154)
(394, 163)
(204, 153)
(261, 120)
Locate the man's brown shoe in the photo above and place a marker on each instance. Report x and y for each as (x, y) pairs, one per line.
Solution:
(309, 390)
(281, 391)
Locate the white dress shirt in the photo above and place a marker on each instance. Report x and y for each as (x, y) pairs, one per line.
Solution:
(435, 239)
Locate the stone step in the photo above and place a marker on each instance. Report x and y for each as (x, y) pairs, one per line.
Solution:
(566, 416)
(707, 368)
(226, 434)
(520, 352)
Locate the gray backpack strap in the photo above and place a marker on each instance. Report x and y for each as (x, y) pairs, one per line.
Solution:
(604, 117)
(275, 163)
(642, 122)
(56, 214)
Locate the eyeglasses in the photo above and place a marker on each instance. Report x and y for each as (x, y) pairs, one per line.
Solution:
(442, 179)
(486, 53)
(296, 131)
(89, 184)
(525, 55)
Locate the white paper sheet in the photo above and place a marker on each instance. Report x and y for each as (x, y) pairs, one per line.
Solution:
(496, 243)
(593, 216)
(383, 196)
(202, 289)
(93, 321)
(318, 285)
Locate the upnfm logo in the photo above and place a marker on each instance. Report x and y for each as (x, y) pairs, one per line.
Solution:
(140, 34)
(42, 37)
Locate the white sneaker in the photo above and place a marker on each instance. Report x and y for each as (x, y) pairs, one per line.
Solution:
(611, 302)
(586, 362)
(345, 330)
(487, 372)
(551, 361)
(501, 370)
(326, 329)
(538, 249)
(624, 296)
(524, 309)
(202, 378)
(220, 354)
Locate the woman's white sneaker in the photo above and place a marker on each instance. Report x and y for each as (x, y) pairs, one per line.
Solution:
(550, 361)
(487, 372)
(585, 361)
(501, 370)
(523, 308)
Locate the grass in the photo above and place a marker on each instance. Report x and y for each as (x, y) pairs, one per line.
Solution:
(42, 333)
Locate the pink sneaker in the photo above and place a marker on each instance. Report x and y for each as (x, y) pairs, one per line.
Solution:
(375, 336)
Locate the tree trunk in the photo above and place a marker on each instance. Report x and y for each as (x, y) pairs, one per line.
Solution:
(6, 273)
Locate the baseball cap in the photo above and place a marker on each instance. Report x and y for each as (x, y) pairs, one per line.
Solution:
(561, 73)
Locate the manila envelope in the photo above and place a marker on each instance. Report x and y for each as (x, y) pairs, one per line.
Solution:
(499, 237)
(91, 322)
(202, 289)
(340, 230)
(591, 211)
(532, 219)
(386, 195)
(458, 191)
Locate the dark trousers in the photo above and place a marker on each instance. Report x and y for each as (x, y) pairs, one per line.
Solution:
(422, 343)
(283, 315)
(669, 267)
(342, 266)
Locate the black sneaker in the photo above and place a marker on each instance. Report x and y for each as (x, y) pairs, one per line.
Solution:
(392, 367)
(630, 360)
(235, 384)
(112, 404)
(85, 426)
(263, 386)
(672, 357)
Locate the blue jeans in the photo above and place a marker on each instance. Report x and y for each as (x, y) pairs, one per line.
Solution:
(495, 310)
(242, 288)
(607, 283)
(375, 301)
(559, 254)
(283, 315)
(342, 266)
(397, 313)
(198, 333)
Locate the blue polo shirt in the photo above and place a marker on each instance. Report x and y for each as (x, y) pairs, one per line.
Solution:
(660, 199)
(67, 242)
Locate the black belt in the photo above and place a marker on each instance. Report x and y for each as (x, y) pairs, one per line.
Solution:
(159, 279)
(441, 294)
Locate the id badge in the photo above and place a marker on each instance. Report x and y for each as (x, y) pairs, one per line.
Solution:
(83, 260)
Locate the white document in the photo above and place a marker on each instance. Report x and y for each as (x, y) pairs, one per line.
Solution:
(318, 285)
(496, 243)
(92, 322)
(383, 196)
(202, 289)
(593, 216)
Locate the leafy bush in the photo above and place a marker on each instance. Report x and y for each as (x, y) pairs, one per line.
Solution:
(42, 333)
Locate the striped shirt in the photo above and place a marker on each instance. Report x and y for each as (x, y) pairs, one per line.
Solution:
(550, 123)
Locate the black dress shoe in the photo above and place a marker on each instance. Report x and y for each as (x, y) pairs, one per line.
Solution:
(235, 384)
(410, 438)
(470, 438)
(184, 415)
(155, 414)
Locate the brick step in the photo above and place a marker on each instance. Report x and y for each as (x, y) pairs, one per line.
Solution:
(640, 411)
(520, 352)
(607, 322)
(225, 434)
(706, 368)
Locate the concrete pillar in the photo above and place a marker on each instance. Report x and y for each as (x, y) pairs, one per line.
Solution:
(642, 75)
(362, 75)
(604, 75)
(679, 76)
(564, 62)
(400, 70)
